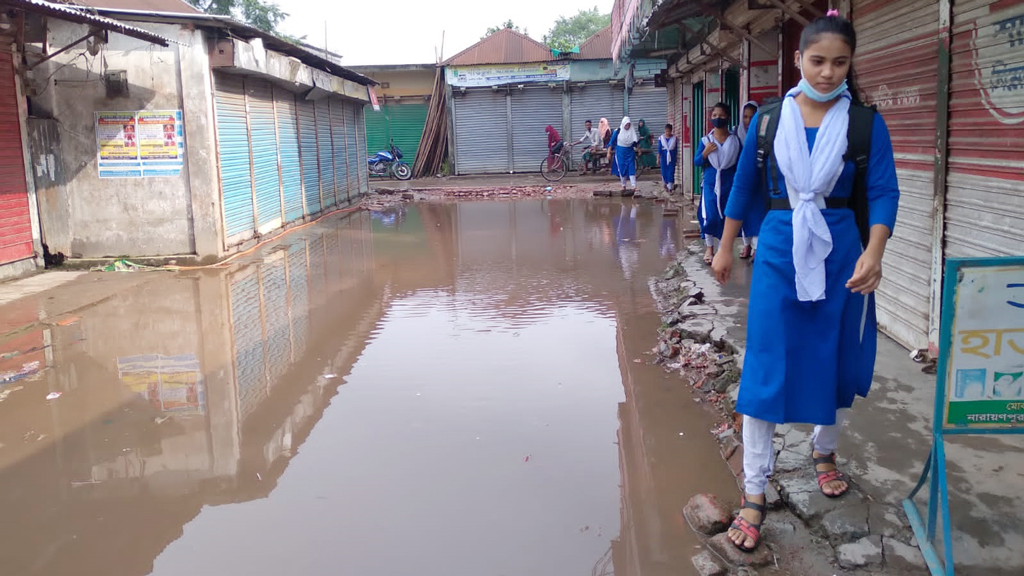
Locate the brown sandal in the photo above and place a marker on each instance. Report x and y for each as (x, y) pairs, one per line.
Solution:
(830, 476)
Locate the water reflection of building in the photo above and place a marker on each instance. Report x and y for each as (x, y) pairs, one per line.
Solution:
(180, 393)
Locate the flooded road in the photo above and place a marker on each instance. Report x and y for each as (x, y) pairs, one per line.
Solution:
(436, 389)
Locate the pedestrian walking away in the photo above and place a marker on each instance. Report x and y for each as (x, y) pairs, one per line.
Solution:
(668, 154)
(622, 150)
(811, 334)
(717, 152)
(752, 222)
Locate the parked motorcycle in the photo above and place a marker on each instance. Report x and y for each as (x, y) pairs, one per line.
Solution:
(388, 163)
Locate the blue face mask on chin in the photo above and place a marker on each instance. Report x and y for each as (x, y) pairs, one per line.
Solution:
(813, 94)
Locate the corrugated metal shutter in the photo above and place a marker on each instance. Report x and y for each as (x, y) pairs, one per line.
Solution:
(298, 299)
(364, 173)
(376, 129)
(340, 149)
(15, 221)
(288, 141)
(352, 148)
(481, 132)
(325, 142)
(247, 331)
(593, 102)
(533, 108)
(263, 141)
(310, 156)
(234, 158)
(647, 102)
(897, 66)
(274, 281)
(984, 199)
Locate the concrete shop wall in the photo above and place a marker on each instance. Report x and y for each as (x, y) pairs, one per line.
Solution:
(113, 217)
(595, 70)
(401, 83)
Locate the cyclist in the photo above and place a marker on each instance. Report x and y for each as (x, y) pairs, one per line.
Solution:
(554, 145)
(592, 149)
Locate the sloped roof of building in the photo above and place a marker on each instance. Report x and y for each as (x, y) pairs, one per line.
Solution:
(505, 46)
(598, 46)
(165, 6)
(70, 14)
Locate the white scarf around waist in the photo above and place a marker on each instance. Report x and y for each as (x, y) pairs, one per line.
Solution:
(810, 177)
(723, 158)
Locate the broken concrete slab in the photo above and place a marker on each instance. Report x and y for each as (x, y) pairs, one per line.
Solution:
(864, 553)
(707, 514)
(846, 523)
(707, 565)
(806, 500)
(889, 521)
(762, 556)
(902, 556)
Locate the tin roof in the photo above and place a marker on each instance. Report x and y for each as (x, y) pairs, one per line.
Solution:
(169, 6)
(506, 46)
(598, 46)
(71, 14)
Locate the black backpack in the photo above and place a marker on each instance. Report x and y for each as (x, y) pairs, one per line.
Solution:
(858, 150)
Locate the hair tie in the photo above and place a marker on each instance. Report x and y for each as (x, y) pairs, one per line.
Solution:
(832, 12)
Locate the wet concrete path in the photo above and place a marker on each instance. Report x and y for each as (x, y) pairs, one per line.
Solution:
(437, 389)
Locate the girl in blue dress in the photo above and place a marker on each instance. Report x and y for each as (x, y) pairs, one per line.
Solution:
(668, 154)
(811, 334)
(622, 153)
(752, 223)
(717, 153)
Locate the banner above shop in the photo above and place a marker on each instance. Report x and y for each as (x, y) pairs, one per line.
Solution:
(506, 74)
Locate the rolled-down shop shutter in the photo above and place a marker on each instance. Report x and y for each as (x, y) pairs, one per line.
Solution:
(897, 66)
(15, 221)
(481, 132)
(647, 102)
(234, 158)
(352, 148)
(288, 142)
(364, 173)
(310, 156)
(376, 129)
(325, 143)
(984, 198)
(593, 102)
(340, 149)
(534, 108)
(263, 141)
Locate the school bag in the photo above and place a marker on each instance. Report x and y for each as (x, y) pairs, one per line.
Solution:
(858, 150)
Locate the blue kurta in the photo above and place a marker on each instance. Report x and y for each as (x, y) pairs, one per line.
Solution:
(752, 222)
(667, 159)
(624, 161)
(711, 220)
(805, 360)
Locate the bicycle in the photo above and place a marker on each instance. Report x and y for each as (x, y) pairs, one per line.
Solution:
(554, 167)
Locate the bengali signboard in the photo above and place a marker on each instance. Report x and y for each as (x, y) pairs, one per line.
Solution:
(985, 380)
(506, 74)
(140, 144)
(168, 383)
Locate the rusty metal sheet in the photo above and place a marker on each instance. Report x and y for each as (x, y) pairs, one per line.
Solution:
(984, 203)
(896, 64)
(503, 47)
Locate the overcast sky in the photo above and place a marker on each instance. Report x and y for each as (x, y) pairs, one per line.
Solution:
(407, 31)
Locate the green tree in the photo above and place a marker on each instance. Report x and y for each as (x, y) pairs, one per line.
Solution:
(572, 31)
(508, 24)
(262, 14)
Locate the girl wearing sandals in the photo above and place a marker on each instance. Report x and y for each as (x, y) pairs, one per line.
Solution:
(811, 333)
(717, 153)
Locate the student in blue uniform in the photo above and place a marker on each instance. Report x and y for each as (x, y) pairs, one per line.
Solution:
(622, 153)
(668, 154)
(717, 153)
(811, 333)
(752, 223)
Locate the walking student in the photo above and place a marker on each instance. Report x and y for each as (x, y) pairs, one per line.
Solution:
(647, 154)
(752, 223)
(811, 333)
(622, 150)
(717, 153)
(668, 154)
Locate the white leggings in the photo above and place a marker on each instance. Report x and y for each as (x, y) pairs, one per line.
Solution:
(758, 449)
(632, 181)
(712, 242)
(750, 241)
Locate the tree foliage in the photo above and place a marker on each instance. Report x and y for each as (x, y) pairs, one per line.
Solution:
(508, 24)
(262, 14)
(573, 30)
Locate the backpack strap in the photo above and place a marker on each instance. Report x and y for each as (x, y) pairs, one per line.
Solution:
(858, 151)
(768, 125)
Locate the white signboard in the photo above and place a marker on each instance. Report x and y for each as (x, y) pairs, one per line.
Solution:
(506, 74)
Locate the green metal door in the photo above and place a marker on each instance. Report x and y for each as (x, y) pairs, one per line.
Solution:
(697, 127)
(732, 95)
(402, 121)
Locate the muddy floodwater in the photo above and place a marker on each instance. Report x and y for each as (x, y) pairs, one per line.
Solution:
(437, 389)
